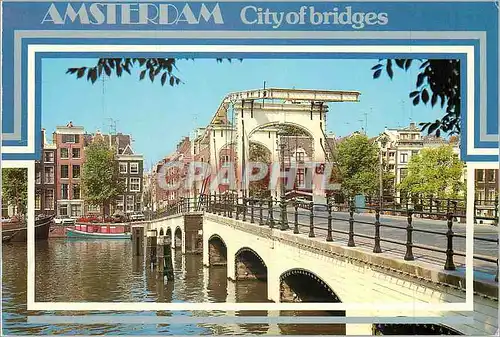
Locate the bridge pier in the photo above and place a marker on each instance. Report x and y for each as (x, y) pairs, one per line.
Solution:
(137, 240)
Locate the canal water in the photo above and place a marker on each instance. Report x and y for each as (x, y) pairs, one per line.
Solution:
(106, 271)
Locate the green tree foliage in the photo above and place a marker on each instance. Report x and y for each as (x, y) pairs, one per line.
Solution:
(100, 175)
(437, 81)
(434, 172)
(15, 189)
(260, 154)
(358, 165)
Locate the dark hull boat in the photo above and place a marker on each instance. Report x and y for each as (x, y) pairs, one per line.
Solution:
(18, 232)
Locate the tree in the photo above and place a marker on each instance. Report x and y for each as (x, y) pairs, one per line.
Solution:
(100, 175)
(357, 159)
(439, 80)
(434, 172)
(15, 189)
(259, 154)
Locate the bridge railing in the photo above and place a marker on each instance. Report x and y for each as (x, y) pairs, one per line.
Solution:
(318, 220)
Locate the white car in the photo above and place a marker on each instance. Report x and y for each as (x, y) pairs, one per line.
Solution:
(137, 217)
(64, 220)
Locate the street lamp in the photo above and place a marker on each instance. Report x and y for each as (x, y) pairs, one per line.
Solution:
(284, 221)
(383, 142)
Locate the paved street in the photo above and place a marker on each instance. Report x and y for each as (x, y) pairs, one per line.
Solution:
(364, 226)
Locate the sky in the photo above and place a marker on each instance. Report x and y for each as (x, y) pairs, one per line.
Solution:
(159, 117)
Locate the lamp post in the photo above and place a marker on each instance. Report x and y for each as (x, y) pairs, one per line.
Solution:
(284, 220)
(383, 142)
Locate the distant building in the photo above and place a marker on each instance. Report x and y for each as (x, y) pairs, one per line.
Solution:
(486, 190)
(403, 143)
(70, 157)
(45, 179)
(131, 168)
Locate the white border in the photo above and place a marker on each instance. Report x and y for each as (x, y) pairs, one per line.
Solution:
(139, 306)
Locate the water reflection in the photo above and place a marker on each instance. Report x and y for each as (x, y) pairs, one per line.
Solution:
(106, 271)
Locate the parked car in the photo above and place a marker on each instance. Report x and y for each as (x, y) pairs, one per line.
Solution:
(138, 216)
(64, 220)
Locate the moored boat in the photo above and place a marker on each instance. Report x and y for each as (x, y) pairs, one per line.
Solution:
(88, 231)
(18, 231)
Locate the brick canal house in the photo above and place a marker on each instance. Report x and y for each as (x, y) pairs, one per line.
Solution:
(45, 179)
(70, 157)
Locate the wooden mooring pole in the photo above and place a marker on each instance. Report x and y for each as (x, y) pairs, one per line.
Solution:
(151, 248)
(164, 259)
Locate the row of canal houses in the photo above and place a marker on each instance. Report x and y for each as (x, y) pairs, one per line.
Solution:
(58, 173)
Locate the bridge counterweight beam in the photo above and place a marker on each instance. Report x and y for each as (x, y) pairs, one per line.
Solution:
(449, 265)
(376, 248)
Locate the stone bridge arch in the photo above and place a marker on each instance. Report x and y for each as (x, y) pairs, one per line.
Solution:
(249, 265)
(177, 239)
(217, 251)
(169, 236)
(302, 285)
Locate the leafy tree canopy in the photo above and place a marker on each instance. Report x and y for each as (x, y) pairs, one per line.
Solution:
(357, 159)
(434, 172)
(438, 81)
(100, 174)
(15, 189)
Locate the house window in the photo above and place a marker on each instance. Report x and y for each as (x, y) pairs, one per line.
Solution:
(76, 191)
(123, 167)
(138, 206)
(75, 153)
(38, 177)
(300, 178)
(414, 153)
(490, 196)
(76, 210)
(392, 154)
(134, 168)
(480, 196)
(76, 171)
(135, 184)
(64, 191)
(70, 139)
(490, 176)
(49, 175)
(299, 156)
(224, 160)
(404, 157)
(64, 171)
(48, 157)
(125, 183)
(391, 167)
(119, 203)
(63, 209)
(64, 153)
(38, 200)
(49, 199)
(480, 175)
(130, 203)
(403, 173)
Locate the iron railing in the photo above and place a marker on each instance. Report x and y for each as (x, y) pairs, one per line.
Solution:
(294, 215)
